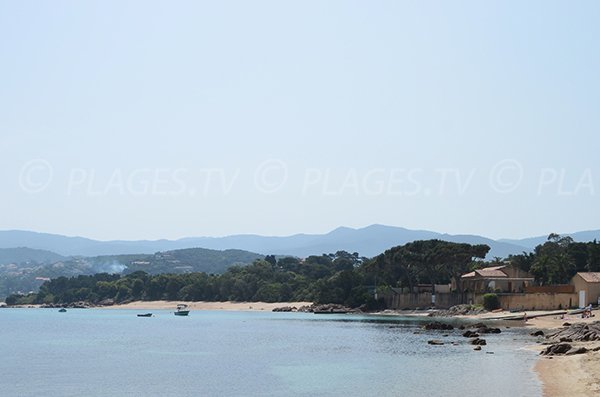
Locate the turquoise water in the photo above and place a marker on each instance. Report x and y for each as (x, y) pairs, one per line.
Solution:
(115, 353)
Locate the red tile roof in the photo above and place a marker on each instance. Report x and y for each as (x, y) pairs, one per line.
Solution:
(590, 277)
(487, 272)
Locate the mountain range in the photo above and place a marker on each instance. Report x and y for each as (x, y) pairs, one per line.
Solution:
(368, 241)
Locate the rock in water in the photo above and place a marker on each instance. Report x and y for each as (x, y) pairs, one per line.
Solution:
(479, 342)
(438, 325)
(435, 342)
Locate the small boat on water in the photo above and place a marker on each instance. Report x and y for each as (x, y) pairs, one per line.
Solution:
(62, 310)
(145, 315)
(182, 310)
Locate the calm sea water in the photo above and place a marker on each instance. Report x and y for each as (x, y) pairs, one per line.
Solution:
(115, 353)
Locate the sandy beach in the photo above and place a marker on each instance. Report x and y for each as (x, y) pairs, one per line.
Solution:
(573, 376)
(233, 306)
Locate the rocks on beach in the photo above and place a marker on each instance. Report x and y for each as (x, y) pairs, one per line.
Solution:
(458, 310)
(74, 305)
(318, 308)
(286, 309)
(80, 304)
(580, 332)
(573, 333)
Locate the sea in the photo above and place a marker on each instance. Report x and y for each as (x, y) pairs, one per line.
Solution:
(94, 352)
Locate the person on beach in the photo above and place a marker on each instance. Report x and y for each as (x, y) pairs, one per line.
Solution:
(524, 317)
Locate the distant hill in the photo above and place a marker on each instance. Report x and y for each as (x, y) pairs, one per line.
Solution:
(28, 276)
(532, 242)
(22, 255)
(368, 241)
(192, 260)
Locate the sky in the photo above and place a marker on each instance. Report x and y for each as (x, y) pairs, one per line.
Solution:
(148, 119)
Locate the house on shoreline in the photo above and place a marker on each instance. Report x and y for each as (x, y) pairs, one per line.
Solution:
(514, 287)
(500, 279)
(587, 287)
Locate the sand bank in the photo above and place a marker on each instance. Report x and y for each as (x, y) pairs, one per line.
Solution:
(234, 306)
(573, 376)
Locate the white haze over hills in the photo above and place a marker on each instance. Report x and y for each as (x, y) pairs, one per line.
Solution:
(368, 241)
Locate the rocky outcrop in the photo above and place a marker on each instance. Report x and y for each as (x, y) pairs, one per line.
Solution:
(333, 308)
(479, 342)
(470, 334)
(556, 349)
(579, 332)
(484, 329)
(73, 305)
(106, 302)
(458, 310)
(438, 326)
(286, 309)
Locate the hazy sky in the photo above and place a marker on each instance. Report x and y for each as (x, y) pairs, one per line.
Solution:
(147, 119)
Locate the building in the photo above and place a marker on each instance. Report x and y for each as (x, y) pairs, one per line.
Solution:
(587, 286)
(501, 279)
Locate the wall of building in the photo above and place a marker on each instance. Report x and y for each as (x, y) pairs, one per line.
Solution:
(593, 295)
(557, 289)
(422, 300)
(538, 301)
(592, 290)
(534, 301)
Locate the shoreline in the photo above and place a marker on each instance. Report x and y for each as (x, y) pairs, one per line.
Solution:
(573, 376)
(204, 305)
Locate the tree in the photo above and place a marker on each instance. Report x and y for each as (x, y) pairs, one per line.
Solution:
(553, 264)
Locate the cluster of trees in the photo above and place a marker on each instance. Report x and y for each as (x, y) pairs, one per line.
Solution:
(23, 276)
(344, 278)
(558, 259)
(325, 278)
(426, 262)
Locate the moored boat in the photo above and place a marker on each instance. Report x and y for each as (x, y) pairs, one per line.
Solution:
(182, 310)
(145, 315)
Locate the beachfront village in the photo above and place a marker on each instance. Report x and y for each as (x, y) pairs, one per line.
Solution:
(515, 288)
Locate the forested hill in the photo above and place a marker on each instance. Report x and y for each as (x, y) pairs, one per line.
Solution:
(191, 260)
(23, 255)
(24, 274)
(342, 278)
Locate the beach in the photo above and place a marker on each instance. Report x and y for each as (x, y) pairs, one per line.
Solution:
(574, 376)
(230, 306)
